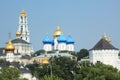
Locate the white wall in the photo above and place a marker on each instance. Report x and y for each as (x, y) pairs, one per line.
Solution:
(70, 47)
(62, 46)
(47, 47)
(109, 57)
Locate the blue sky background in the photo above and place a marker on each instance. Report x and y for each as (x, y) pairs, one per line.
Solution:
(85, 20)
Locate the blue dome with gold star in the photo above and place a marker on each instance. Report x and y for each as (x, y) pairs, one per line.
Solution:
(47, 40)
(61, 38)
(70, 40)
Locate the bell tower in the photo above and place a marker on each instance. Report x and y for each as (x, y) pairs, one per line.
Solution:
(23, 27)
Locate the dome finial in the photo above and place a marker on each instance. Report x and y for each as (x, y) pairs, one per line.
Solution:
(58, 27)
(109, 40)
(104, 36)
(22, 13)
(9, 36)
(58, 32)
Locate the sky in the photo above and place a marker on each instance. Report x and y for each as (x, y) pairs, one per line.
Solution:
(85, 20)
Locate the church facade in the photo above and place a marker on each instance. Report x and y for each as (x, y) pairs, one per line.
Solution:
(58, 42)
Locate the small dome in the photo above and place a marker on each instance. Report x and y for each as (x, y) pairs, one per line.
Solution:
(23, 13)
(70, 40)
(45, 61)
(18, 33)
(58, 32)
(61, 38)
(47, 40)
(106, 38)
(9, 46)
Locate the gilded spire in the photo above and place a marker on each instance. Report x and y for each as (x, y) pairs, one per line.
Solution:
(106, 38)
(109, 40)
(58, 32)
(22, 13)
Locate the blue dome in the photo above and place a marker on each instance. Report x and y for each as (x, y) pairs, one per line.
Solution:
(47, 40)
(70, 40)
(61, 38)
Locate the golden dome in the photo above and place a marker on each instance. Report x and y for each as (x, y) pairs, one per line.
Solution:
(45, 61)
(58, 32)
(18, 33)
(9, 46)
(104, 37)
(22, 13)
(109, 40)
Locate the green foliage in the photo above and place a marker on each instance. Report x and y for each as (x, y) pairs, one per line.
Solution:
(22, 79)
(65, 51)
(68, 69)
(61, 67)
(51, 78)
(82, 53)
(39, 52)
(98, 71)
(51, 52)
(2, 60)
(10, 73)
(33, 67)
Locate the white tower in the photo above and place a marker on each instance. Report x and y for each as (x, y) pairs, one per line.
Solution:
(104, 52)
(23, 26)
(56, 34)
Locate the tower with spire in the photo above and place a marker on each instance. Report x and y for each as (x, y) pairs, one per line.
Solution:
(22, 41)
(105, 52)
(23, 26)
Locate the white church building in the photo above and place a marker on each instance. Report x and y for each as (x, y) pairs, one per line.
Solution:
(22, 42)
(59, 42)
(105, 52)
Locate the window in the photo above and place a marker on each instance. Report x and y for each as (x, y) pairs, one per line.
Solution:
(21, 19)
(21, 29)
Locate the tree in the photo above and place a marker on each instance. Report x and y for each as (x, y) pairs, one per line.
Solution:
(39, 52)
(82, 53)
(62, 67)
(2, 60)
(10, 73)
(51, 78)
(33, 67)
(97, 71)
